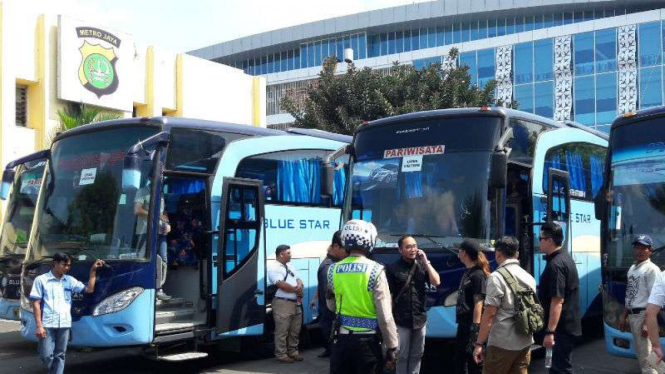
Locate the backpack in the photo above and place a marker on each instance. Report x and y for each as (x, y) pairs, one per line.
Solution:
(272, 289)
(529, 314)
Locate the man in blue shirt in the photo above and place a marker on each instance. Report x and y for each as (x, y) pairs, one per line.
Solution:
(51, 298)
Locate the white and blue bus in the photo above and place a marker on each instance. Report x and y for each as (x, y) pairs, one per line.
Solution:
(447, 175)
(633, 204)
(231, 193)
(23, 180)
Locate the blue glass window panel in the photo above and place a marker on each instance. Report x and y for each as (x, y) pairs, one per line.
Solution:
(585, 102)
(448, 34)
(440, 37)
(469, 59)
(392, 44)
(399, 42)
(423, 38)
(519, 24)
(524, 97)
(651, 87)
(529, 23)
(263, 65)
(271, 64)
(538, 22)
(510, 25)
(543, 54)
(588, 15)
(465, 32)
(523, 62)
(354, 46)
(473, 31)
(250, 67)
(492, 28)
(485, 66)
(501, 27)
(663, 39)
(609, 12)
(289, 61)
(650, 52)
(415, 40)
(278, 64)
(325, 49)
(606, 98)
(583, 47)
(426, 62)
(311, 55)
(548, 20)
(606, 50)
(558, 19)
(431, 37)
(567, 18)
(340, 49)
(578, 17)
(457, 33)
(482, 29)
(347, 41)
(407, 40)
(384, 44)
(544, 99)
(362, 45)
(296, 59)
(317, 53)
(284, 61)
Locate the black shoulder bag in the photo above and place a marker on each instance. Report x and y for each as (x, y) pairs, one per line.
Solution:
(407, 284)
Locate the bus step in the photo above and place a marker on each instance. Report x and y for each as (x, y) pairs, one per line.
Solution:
(174, 337)
(175, 302)
(183, 356)
(173, 328)
(173, 315)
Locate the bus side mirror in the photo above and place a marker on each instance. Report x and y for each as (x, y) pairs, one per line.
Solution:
(327, 179)
(7, 180)
(498, 169)
(131, 172)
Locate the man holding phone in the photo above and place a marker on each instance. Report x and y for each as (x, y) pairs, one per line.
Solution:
(408, 278)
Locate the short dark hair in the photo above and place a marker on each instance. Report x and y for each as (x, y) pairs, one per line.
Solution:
(401, 239)
(337, 238)
(508, 246)
(554, 231)
(62, 257)
(281, 248)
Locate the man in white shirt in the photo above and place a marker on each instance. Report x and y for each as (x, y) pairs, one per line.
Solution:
(641, 278)
(286, 306)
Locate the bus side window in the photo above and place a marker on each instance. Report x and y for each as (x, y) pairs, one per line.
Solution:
(584, 163)
(523, 142)
(241, 226)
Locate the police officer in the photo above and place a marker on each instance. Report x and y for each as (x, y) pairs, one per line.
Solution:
(358, 293)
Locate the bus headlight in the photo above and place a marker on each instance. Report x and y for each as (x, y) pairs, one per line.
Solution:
(117, 302)
(451, 300)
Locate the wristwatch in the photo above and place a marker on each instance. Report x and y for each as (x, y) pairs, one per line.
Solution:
(480, 344)
(549, 332)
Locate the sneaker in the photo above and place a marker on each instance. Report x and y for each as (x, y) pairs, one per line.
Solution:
(296, 357)
(162, 296)
(325, 353)
(284, 359)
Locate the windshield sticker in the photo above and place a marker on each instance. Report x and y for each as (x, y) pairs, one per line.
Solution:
(88, 176)
(30, 184)
(123, 199)
(412, 163)
(375, 174)
(414, 151)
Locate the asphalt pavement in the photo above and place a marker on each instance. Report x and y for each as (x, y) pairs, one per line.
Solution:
(20, 356)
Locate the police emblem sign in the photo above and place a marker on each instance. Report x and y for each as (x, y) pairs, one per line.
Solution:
(94, 65)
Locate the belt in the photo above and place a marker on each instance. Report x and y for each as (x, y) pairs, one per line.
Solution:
(345, 331)
(636, 310)
(285, 299)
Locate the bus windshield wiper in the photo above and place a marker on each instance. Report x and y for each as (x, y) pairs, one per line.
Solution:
(430, 238)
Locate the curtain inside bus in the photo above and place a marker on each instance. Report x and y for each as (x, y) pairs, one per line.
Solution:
(299, 181)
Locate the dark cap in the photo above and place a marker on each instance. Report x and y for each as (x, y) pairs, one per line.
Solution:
(471, 247)
(644, 240)
(337, 238)
(281, 248)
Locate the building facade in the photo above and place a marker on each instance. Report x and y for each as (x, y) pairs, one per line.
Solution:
(581, 60)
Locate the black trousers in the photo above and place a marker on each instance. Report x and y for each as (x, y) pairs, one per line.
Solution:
(357, 354)
(325, 323)
(464, 363)
(562, 354)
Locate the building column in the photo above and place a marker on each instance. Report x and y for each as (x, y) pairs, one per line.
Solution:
(627, 69)
(504, 74)
(563, 78)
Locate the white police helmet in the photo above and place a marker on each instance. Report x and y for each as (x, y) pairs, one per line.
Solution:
(359, 235)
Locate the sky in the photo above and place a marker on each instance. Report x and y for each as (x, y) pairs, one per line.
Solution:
(185, 25)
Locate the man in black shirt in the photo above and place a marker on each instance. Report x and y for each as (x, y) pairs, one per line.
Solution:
(336, 253)
(559, 294)
(407, 279)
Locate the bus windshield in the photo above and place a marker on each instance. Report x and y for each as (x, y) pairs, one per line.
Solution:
(637, 191)
(427, 178)
(21, 208)
(85, 211)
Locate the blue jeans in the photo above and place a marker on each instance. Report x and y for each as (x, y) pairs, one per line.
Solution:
(52, 349)
(163, 248)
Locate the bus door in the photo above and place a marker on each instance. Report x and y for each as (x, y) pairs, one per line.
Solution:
(241, 259)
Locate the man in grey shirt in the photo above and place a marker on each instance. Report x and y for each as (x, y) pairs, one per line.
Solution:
(508, 351)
